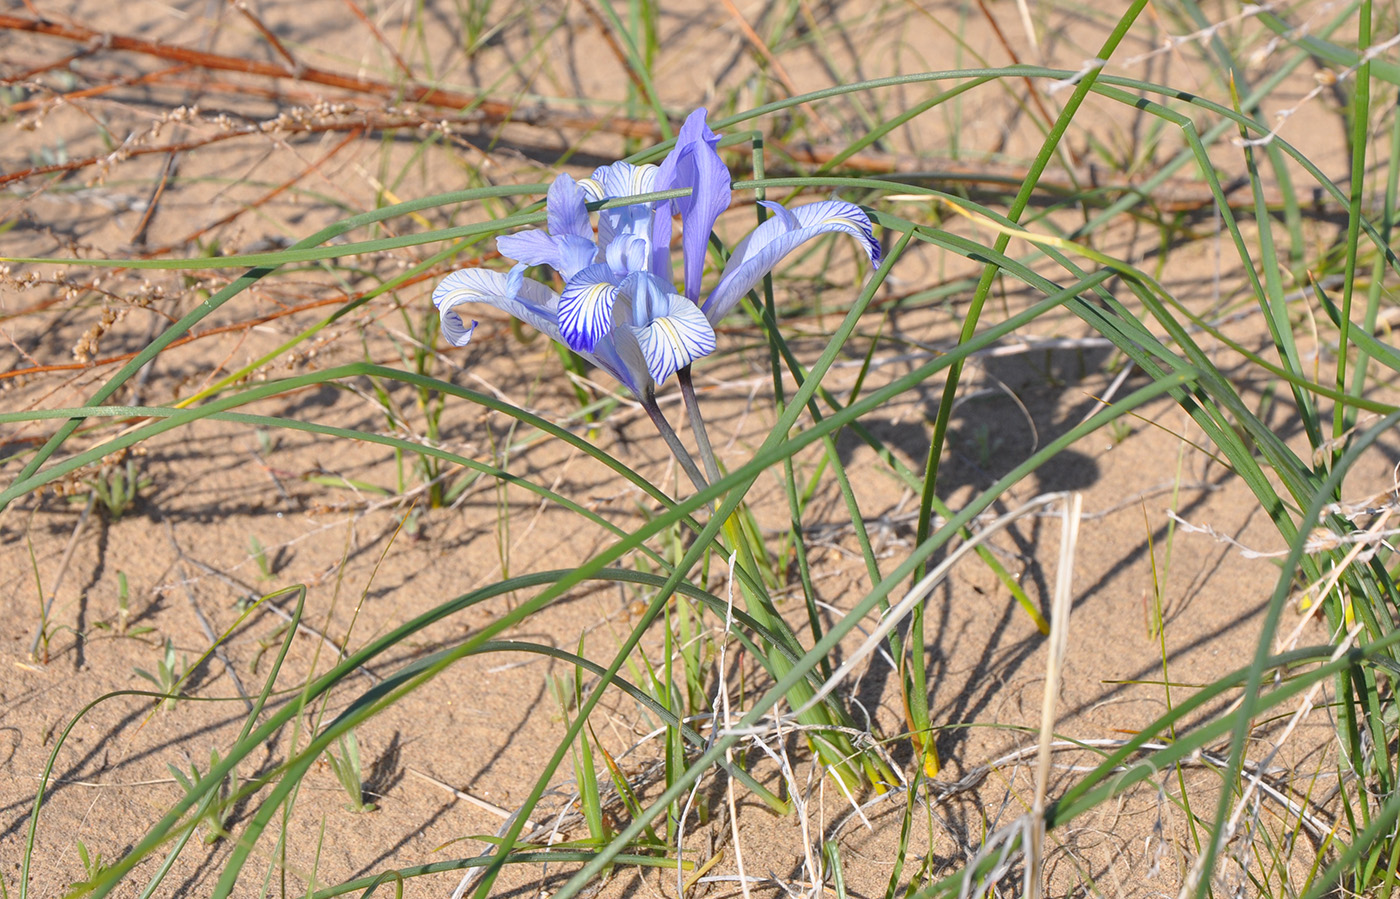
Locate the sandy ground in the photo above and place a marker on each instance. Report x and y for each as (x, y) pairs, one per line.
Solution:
(368, 564)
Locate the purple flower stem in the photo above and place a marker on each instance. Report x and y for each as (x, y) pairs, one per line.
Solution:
(673, 441)
(697, 423)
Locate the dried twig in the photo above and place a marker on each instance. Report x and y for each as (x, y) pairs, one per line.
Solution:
(493, 111)
(58, 578)
(205, 626)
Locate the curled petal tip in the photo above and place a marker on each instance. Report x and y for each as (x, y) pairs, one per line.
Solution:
(527, 300)
(455, 331)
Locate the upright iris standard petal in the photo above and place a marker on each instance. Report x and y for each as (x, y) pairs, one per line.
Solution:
(694, 163)
(621, 179)
(658, 329)
(526, 299)
(565, 209)
(757, 254)
(586, 307)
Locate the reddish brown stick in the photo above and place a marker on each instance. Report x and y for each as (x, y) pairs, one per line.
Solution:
(490, 110)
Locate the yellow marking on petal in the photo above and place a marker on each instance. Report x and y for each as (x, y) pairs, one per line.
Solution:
(594, 292)
(673, 335)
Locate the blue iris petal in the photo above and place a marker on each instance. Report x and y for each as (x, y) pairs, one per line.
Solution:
(586, 307)
(695, 164)
(526, 299)
(761, 250)
(532, 247)
(568, 244)
(564, 206)
(626, 255)
(621, 179)
(607, 357)
(657, 330)
(838, 215)
(673, 341)
(575, 254)
(565, 255)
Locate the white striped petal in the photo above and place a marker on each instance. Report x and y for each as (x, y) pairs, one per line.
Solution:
(766, 245)
(672, 342)
(622, 179)
(662, 330)
(453, 328)
(526, 299)
(586, 307)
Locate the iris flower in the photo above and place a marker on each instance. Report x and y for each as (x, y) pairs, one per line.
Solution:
(620, 308)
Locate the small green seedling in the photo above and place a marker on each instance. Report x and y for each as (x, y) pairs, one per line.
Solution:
(117, 489)
(92, 863)
(216, 808)
(123, 608)
(122, 626)
(348, 772)
(168, 675)
(259, 554)
(267, 441)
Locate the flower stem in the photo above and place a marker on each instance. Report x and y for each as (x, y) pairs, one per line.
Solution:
(668, 433)
(697, 423)
(831, 745)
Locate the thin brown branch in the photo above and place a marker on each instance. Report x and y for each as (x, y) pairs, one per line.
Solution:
(138, 236)
(493, 111)
(611, 40)
(288, 127)
(268, 36)
(97, 90)
(379, 36)
(778, 69)
(1045, 115)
